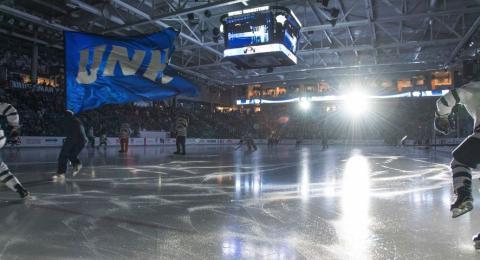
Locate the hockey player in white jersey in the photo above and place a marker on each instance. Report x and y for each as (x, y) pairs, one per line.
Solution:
(467, 155)
(6, 177)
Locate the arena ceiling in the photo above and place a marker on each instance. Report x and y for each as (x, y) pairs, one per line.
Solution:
(371, 37)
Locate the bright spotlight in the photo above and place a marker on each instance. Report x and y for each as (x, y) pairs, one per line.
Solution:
(281, 19)
(356, 103)
(305, 104)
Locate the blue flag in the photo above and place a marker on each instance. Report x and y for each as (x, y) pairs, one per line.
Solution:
(103, 70)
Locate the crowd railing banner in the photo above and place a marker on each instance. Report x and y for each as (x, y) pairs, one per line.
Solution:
(57, 141)
(36, 87)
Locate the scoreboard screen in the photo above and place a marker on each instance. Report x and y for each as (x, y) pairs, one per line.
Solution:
(261, 37)
(247, 30)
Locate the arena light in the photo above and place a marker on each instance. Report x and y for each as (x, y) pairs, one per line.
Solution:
(415, 94)
(281, 19)
(356, 103)
(305, 104)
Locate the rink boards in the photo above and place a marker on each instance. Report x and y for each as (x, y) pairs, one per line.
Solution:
(39, 141)
(42, 141)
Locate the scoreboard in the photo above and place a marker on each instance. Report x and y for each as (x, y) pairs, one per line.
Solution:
(261, 37)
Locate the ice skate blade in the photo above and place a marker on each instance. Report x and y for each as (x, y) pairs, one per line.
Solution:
(58, 178)
(29, 198)
(476, 244)
(466, 207)
(75, 172)
(26, 196)
(29, 201)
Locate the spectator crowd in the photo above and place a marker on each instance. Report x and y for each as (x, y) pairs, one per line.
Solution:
(41, 113)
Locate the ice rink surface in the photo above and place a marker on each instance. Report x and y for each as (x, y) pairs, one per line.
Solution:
(217, 203)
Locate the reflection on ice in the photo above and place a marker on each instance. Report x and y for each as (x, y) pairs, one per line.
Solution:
(239, 248)
(248, 186)
(305, 176)
(354, 225)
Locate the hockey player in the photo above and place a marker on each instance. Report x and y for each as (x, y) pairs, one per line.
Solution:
(103, 141)
(181, 125)
(6, 177)
(325, 145)
(248, 140)
(14, 141)
(125, 133)
(298, 142)
(91, 137)
(465, 156)
(271, 139)
(72, 146)
(103, 138)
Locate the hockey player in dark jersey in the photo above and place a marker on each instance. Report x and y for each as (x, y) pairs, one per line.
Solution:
(247, 139)
(103, 141)
(271, 140)
(103, 138)
(6, 177)
(72, 146)
(325, 145)
(466, 155)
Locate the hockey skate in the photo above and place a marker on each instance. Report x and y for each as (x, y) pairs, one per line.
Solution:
(476, 241)
(463, 203)
(76, 169)
(59, 177)
(24, 194)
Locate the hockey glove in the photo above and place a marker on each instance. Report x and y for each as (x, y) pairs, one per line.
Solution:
(14, 132)
(442, 124)
(14, 136)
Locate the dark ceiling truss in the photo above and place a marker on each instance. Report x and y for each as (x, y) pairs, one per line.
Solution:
(446, 28)
(367, 33)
